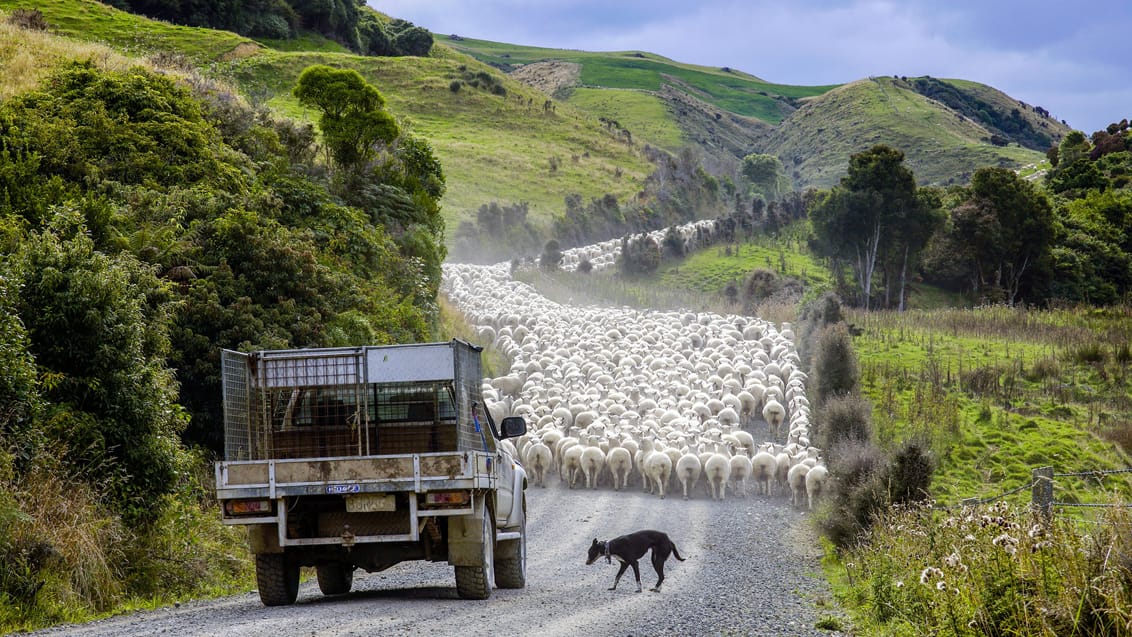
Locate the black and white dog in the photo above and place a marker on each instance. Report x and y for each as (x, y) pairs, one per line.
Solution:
(632, 547)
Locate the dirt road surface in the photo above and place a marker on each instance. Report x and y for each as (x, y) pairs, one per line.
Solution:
(751, 569)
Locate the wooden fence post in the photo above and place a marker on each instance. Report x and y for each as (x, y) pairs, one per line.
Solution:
(1042, 491)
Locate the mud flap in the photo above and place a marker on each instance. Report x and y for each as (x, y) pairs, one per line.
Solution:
(264, 538)
(465, 536)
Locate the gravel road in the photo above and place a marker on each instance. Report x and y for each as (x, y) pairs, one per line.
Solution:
(751, 569)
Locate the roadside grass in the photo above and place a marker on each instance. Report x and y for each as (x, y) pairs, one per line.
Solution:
(999, 391)
(996, 392)
(67, 558)
(996, 570)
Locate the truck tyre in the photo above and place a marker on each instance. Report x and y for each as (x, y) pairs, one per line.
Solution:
(335, 578)
(474, 582)
(511, 567)
(278, 579)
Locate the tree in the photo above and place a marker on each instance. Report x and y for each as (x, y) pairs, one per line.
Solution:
(765, 172)
(913, 230)
(859, 219)
(551, 256)
(1005, 228)
(353, 121)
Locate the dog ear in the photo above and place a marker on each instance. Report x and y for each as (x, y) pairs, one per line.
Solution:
(595, 541)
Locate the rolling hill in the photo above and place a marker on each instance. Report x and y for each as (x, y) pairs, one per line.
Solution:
(947, 128)
(486, 108)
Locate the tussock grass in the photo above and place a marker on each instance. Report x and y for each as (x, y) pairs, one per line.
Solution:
(27, 56)
(67, 558)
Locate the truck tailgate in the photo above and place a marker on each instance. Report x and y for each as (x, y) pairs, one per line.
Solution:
(418, 472)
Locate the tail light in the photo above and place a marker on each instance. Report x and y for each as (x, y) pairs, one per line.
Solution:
(247, 507)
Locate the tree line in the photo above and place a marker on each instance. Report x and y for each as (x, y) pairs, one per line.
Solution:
(353, 25)
(1002, 238)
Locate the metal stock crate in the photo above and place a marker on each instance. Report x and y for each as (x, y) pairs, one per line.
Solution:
(352, 401)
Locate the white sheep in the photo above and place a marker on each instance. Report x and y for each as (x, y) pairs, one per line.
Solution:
(796, 478)
(620, 463)
(815, 483)
(717, 471)
(572, 464)
(774, 414)
(763, 467)
(593, 462)
(740, 472)
(658, 468)
(688, 469)
(537, 460)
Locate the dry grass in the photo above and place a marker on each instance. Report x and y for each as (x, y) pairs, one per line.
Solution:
(29, 55)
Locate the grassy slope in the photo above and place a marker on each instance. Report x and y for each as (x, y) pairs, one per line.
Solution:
(732, 90)
(814, 141)
(940, 145)
(492, 148)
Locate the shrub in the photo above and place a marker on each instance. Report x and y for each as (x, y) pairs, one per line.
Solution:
(834, 364)
(1043, 369)
(841, 420)
(1090, 353)
(909, 473)
(981, 381)
(859, 493)
(455, 85)
(28, 19)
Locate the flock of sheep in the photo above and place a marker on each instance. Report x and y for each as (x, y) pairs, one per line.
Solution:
(663, 400)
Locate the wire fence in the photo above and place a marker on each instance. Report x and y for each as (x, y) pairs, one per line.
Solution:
(1041, 487)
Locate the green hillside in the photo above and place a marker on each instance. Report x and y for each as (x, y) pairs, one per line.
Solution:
(496, 144)
(945, 127)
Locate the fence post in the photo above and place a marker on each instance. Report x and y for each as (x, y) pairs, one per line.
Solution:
(1042, 491)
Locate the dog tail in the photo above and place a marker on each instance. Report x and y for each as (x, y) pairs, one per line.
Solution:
(676, 553)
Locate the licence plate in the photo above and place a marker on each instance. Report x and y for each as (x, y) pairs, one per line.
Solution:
(338, 489)
(371, 502)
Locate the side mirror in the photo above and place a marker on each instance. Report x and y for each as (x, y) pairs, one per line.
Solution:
(512, 426)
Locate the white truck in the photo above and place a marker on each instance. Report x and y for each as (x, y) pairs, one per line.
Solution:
(364, 457)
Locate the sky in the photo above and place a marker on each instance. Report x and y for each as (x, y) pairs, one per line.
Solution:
(1073, 58)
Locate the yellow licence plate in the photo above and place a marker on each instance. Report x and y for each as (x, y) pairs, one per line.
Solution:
(370, 502)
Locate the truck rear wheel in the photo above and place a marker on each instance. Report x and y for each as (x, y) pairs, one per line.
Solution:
(511, 567)
(474, 582)
(335, 578)
(278, 579)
